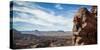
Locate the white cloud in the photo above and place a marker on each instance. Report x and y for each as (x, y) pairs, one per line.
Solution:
(58, 6)
(49, 20)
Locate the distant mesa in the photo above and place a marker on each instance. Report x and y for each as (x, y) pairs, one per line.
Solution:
(60, 31)
(36, 30)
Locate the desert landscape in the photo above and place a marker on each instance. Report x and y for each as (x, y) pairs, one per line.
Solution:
(26, 40)
(39, 25)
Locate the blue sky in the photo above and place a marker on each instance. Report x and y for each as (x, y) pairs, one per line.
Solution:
(29, 16)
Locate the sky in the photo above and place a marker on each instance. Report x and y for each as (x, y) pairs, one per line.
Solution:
(30, 16)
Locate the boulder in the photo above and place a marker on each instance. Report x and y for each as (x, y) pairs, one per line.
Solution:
(85, 26)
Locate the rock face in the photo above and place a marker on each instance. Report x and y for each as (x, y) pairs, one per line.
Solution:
(85, 26)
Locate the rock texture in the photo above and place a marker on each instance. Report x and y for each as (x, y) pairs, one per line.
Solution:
(85, 26)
